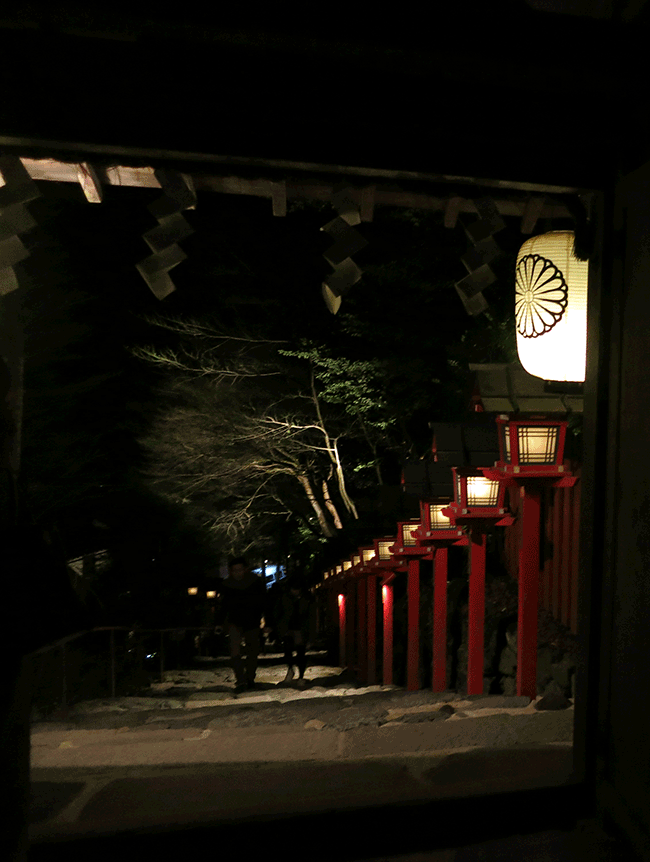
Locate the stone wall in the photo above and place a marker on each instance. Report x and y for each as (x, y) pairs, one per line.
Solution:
(556, 646)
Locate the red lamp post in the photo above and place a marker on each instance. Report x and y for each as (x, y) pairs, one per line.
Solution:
(386, 566)
(407, 550)
(437, 534)
(365, 620)
(531, 456)
(339, 590)
(479, 502)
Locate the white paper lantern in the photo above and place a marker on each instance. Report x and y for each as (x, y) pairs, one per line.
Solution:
(551, 308)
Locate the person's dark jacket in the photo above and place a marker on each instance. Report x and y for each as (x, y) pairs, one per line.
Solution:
(293, 613)
(244, 602)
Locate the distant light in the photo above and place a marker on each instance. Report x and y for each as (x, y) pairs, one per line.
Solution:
(192, 591)
(211, 594)
(384, 593)
(340, 599)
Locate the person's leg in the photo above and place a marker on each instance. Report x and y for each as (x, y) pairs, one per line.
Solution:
(301, 649)
(252, 654)
(235, 636)
(288, 657)
(301, 660)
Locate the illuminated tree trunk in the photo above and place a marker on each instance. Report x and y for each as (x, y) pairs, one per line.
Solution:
(331, 508)
(316, 506)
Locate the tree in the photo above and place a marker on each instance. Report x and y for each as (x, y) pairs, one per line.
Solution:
(237, 451)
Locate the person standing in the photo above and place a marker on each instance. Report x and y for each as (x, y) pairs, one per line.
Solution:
(244, 607)
(293, 622)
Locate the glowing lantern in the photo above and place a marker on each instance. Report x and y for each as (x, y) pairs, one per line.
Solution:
(383, 549)
(192, 591)
(475, 496)
(211, 594)
(531, 446)
(551, 308)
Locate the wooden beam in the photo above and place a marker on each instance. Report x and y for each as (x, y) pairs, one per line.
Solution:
(532, 212)
(309, 188)
(89, 182)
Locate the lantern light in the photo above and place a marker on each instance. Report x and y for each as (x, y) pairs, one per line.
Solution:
(480, 491)
(551, 308)
(192, 591)
(340, 599)
(534, 443)
(408, 530)
(476, 495)
(384, 593)
(356, 559)
(211, 594)
(339, 570)
(368, 554)
(347, 564)
(437, 520)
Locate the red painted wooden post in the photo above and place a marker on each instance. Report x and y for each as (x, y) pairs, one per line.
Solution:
(440, 619)
(566, 555)
(342, 638)
(546, 537)
(528, 595)
(575, 539)
(362, 634)
(371, 675)
(476, 610)
(558, 500)
(413, 637)
(350, 624)
(387, 597)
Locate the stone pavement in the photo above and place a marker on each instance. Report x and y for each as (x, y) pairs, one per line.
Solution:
(285, 751)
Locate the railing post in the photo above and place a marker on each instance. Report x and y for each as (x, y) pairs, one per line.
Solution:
(112, 662)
